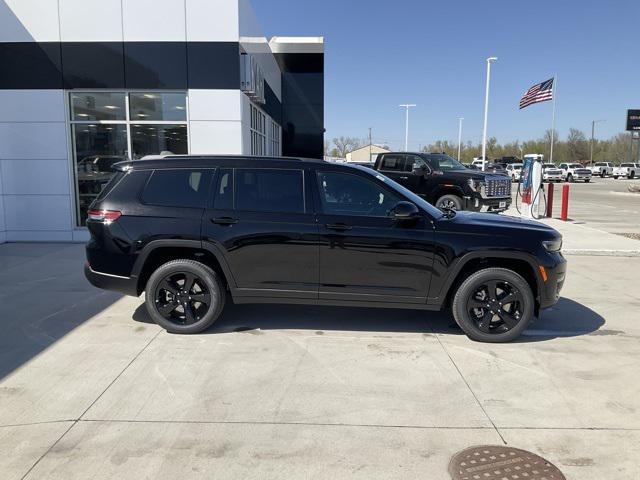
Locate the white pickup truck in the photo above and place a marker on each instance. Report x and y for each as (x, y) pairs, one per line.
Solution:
(602, 169)
(629, 170)
(572, 172)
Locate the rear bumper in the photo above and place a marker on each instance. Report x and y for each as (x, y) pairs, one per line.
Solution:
(115, 283)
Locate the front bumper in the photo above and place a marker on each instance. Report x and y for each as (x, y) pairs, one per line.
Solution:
(115, 283)
(477, 203)
(581, 177)
(553, 177)
(550, 289)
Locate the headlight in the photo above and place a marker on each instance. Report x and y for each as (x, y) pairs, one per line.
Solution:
(553, 245)
(475, 185)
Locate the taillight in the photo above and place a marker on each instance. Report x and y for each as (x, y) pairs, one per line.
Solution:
(106, 216)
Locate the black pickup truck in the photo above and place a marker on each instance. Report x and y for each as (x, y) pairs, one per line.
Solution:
(446, 183)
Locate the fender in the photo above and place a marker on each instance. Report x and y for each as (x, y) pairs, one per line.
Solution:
(180, 243)
(461, 262)
(442, 190)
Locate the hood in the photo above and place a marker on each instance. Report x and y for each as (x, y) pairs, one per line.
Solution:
(474, 174)
(501, 224)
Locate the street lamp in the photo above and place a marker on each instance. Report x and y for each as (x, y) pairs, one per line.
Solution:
(490, 60)
(593, 134)
(406, 126)
(459, 136)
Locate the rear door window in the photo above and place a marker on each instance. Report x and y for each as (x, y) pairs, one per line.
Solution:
(177, 188)
(269, 190)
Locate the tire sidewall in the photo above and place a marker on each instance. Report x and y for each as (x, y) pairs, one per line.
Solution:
(203, 272)
(453, 198)
(467, 287)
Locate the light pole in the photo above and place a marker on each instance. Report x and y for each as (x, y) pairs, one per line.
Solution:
(490, 60)
(406, 126)
(460, 119)
(593, 135)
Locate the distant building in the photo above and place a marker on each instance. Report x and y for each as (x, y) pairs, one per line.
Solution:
(368, 153)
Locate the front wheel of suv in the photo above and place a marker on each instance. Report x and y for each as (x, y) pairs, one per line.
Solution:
(493, 305)
(184, 296)
(449, 202)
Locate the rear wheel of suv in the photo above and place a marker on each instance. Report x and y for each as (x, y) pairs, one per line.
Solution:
(493, 305)
(449, 202)
(184, 296)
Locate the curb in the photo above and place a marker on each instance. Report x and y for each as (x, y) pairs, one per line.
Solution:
(601, 253)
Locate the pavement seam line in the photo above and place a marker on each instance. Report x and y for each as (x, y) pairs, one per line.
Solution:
(495, 427)
(75, 422)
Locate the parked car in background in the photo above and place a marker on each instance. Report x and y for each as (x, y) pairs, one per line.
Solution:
(504, 161)
(551, 173)
(514, 170)
(444, 182)
(192, 232)
(575, 172)
(495, 168)
(629, 170)
(602, 169)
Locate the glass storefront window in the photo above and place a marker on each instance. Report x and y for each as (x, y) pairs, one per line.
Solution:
(98, 106)
(109, 127)
(96, 147)
(158, 106)
(148, 139)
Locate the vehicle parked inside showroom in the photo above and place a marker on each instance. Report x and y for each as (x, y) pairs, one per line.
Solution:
(602, 169)
(444, 182)
(551, 173)
(629, 170)
(575, 172)
(194, 231)
(514, 170)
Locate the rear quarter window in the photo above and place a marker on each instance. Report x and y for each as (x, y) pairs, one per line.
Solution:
(177, 188)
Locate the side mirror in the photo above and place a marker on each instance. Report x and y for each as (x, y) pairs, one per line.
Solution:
(405, 211)
(420, 170)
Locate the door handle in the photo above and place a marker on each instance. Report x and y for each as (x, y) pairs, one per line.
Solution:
(224, 221)
(404, 178)
(338, 226)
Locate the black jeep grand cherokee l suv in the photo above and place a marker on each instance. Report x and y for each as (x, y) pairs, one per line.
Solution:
(190, 231)
(444, 182)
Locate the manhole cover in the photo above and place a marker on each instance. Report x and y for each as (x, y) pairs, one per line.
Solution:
(501, 463)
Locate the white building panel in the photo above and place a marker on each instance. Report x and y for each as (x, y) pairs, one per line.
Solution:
(215, 137)
(153, 20)
(91, 20)
(212, 20)
(48, 177)
(29, 21)
(38, 213)
(32, 106)
(33, 141)
(215, 104)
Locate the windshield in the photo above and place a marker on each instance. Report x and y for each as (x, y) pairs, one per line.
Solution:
(444, 163)
(548, 165)
(575, 165)
(517, 167)
(420, 202)
(627, 165)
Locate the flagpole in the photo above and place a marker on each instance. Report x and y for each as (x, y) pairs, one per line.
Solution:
(553, 116)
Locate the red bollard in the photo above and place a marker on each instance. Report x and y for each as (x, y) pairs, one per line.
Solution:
(565, 203)
(550, 201)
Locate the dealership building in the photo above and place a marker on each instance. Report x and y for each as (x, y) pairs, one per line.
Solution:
(87, 83)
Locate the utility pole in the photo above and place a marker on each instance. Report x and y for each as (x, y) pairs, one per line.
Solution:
(407, 106)
(369, 143)
(459, 136)
(593, 134)
(490, 60)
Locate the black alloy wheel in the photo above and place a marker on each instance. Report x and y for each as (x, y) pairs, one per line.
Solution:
(493, 305)
(449, 202)
(182, 298)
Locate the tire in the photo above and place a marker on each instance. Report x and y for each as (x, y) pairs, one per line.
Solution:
(488, 327)
(570, 178)
(615, 177)
(587, 180)
(205, 285)
(602, 175)
(632, 175)
(453, 202)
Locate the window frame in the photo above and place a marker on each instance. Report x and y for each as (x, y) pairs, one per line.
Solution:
(128, 122)
(320, 203)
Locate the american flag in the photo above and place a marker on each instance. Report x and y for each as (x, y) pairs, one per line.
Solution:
(540, 92)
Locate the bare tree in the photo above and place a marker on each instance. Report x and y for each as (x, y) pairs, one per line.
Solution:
(345, 145)
(577, 145)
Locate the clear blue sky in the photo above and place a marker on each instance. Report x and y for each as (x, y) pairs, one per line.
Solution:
(432, 53)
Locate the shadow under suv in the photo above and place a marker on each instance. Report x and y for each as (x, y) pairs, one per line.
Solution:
(192, 231)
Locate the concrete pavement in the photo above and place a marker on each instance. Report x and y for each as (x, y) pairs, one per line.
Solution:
(275, 391)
